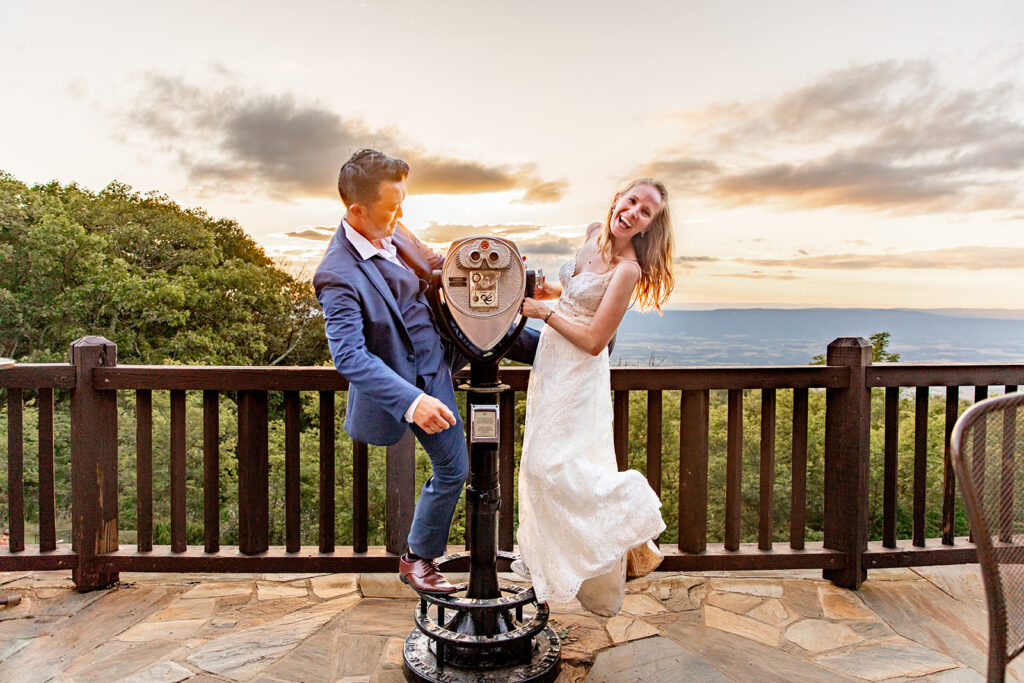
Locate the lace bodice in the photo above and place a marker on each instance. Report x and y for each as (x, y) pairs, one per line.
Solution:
(582, 293)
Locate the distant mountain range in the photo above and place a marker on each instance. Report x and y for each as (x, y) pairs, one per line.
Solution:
(776, 336)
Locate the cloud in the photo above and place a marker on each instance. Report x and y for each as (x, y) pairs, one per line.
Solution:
(550, 246)
(549, 191)
(229, 138)
(692, 262)
(319, 234)
(544, 248)
(889, 136)
(955, 258)
(445, 233)
(761, 275)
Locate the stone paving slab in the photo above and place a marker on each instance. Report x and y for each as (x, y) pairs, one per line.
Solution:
(81, 634)
(925, 614)
(903, 625)
(652, 660)
(744, 660)
(888, 659)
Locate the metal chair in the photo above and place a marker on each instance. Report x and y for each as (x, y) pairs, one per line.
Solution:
(987, 449)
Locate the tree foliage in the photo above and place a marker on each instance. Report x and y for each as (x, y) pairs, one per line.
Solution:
(165, 284)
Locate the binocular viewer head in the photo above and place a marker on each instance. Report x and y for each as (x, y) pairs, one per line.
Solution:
(478, 295)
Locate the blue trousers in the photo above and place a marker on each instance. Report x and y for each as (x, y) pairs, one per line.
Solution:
(428, 536)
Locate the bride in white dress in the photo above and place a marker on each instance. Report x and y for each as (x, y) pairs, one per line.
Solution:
(578, 515)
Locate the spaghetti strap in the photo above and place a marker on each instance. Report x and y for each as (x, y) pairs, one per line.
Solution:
(633, 261)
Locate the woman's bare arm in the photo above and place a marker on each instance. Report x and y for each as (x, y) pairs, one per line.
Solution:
(551, 290)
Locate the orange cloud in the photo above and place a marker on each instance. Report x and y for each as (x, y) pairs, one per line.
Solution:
(232, 139)
(318, 234)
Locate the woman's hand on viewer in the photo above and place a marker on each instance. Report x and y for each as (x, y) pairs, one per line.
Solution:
(534, 309)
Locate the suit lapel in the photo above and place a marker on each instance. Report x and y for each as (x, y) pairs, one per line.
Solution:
(411, 256)
(373, 275)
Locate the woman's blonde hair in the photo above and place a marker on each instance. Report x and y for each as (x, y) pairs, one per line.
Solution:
(654, 249)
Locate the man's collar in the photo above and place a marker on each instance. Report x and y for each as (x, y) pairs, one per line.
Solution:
(363, 246)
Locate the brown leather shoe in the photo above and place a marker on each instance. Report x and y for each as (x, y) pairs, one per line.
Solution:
(423, 575)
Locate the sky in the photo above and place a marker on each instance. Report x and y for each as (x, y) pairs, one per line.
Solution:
(828, 153)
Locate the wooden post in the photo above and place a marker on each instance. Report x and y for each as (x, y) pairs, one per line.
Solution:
(93, 464)
(847, 433)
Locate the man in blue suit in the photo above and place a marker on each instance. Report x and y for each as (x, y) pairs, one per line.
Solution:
(381, 333)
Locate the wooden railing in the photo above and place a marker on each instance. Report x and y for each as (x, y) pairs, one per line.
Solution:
(94, 380)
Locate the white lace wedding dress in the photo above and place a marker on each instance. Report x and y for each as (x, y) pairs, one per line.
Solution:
(578, 515)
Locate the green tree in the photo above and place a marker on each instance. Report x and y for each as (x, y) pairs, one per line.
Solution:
(880, 352)
(165, 284)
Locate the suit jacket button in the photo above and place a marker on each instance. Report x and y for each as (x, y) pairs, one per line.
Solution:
(412, 356)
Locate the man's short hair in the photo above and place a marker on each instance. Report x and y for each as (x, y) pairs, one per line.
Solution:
(361, 176)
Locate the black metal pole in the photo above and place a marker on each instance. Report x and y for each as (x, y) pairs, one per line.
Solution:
(483, 496)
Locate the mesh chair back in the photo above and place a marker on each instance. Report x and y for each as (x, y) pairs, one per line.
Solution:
(988, 456)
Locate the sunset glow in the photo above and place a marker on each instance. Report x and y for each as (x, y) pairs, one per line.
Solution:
(818, 154)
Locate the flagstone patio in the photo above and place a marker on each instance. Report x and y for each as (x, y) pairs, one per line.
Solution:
(925, 624)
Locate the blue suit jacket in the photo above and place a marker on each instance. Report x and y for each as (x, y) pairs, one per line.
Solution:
(367, 337)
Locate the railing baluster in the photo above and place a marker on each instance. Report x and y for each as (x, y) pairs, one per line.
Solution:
(253, 473)
(144, 469)
(506, 469)
(693, 471)
(654, 415)
(892, 429)
(326, 471)
(949, 481)
(798, 504)
(621, 429)
(734, 470)
(15, 471)
(211, 471)
(766, 507)
(47, 517)
(978, 454)
(292, 494)
(920, 462)
(360, 497)
(178, 539)
(1006, 493)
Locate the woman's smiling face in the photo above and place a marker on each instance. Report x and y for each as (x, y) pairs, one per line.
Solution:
(634, 210)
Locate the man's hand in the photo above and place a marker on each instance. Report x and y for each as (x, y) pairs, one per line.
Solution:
(432, 415)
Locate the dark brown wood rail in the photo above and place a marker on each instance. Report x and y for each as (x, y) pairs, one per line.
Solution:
(92, 382)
